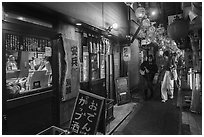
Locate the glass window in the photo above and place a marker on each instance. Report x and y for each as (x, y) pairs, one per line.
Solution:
(28, 66)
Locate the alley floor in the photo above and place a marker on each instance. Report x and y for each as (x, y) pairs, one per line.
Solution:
(154, 118)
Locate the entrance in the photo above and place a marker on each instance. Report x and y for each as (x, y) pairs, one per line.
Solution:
(96, 66)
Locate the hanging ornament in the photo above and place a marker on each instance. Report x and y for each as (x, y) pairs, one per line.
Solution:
(160, 30)
(140, 12)
(161, 52)
(146, 23)
(152, 29)
(142, 33)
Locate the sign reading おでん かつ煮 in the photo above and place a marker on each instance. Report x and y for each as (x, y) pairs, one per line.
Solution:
(86, 113)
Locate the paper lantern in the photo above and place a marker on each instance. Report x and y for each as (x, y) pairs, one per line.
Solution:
(152, 29)
(146, 23)
(140, 12)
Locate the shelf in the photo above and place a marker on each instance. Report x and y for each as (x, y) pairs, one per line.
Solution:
(19, 101)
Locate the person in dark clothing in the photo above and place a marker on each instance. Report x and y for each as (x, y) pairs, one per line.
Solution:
(148, 69)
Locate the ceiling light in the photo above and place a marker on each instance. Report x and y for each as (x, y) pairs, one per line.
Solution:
(78, 24)
(20, 18)
(115, 26)
(153, 13)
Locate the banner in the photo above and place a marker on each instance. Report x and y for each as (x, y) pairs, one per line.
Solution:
(68, 68)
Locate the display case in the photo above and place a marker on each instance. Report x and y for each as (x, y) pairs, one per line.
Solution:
(29, 92)
(28, 67)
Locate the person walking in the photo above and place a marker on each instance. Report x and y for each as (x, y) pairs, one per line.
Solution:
(148, 69)
(167, 77)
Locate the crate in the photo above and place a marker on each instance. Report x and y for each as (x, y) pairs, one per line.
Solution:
(52, 131)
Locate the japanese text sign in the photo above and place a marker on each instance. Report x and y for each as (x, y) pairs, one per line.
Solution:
(74, 60)
(86, 113)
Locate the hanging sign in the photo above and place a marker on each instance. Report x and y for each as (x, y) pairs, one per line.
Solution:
(126, 53)
(68, 68)
(86, 113)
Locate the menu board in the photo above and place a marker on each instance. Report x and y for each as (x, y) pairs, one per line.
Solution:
(122, 89)
(86, 113)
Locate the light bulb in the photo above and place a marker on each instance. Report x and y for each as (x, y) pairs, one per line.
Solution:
(153, 13)
(78, 24)
(115, 26)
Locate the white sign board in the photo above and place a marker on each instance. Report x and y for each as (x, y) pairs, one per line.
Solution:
(126, 53)
(48, 51)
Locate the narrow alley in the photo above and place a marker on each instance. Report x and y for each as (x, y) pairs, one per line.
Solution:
(153, 118)
(101, 68)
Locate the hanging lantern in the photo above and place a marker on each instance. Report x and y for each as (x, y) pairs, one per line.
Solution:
(152, 29)
(140, 12)
(146, 23)
(178, 29)
(160, 52)
(160, 30)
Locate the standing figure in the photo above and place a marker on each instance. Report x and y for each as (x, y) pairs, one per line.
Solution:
(167, 77)
(11, 64)
(148, 69)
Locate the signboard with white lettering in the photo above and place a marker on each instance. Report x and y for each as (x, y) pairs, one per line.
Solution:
(86, 113)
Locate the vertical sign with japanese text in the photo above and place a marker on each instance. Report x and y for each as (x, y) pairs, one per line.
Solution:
(74, 60)
(86, 113)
